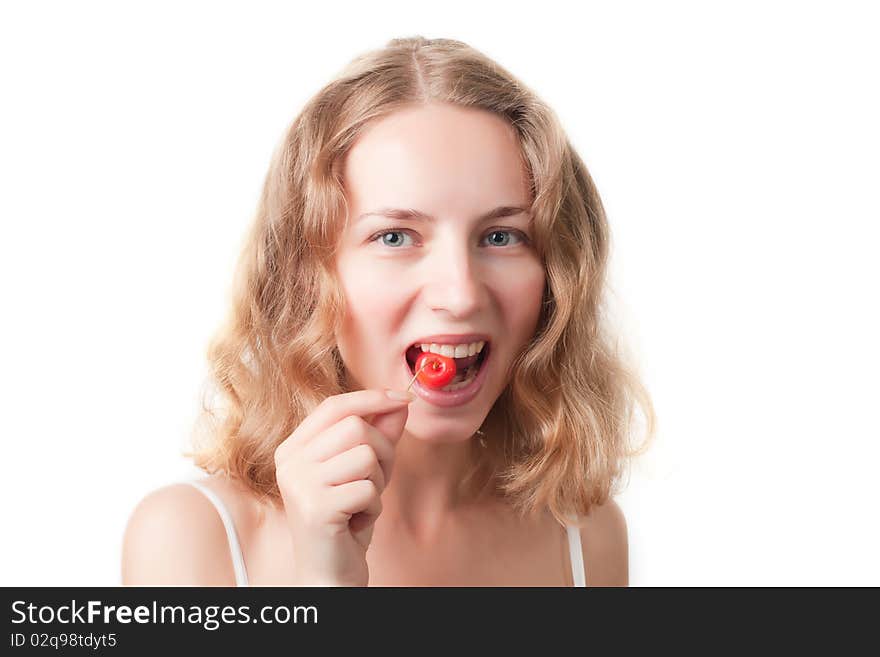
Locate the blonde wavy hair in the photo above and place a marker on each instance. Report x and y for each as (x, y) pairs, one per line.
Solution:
(559, 435)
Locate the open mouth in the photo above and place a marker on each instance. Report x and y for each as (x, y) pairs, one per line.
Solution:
(466, 368)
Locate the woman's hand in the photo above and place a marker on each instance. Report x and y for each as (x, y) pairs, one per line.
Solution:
(331, 471)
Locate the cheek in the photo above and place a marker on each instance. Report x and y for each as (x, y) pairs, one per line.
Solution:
(367, 294)
(522, 300)
(370, 307)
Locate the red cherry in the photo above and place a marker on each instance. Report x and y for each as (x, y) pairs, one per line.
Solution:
(438, 372)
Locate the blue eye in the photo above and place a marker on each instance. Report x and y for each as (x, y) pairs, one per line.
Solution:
(492, 235)
(382, 235)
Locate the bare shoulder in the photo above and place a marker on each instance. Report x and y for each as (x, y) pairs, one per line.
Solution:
(175, 536)
(606, 546)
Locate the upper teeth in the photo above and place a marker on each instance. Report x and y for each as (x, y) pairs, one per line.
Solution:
(455, 350)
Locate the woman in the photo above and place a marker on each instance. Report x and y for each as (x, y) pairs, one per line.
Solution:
(423, 200)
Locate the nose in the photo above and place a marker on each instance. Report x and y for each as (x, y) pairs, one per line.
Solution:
(454, 281)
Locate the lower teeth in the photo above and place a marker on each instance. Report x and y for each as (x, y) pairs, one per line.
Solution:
(470, 376)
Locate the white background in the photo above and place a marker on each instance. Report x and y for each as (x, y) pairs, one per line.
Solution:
(735, 148)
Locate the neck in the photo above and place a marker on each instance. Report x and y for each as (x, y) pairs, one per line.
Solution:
(426, 485)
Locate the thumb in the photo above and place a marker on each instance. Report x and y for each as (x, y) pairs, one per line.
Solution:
(391, 423)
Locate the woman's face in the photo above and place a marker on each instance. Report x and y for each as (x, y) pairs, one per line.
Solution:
(453, 271)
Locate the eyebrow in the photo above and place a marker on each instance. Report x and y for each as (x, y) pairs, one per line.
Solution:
(410, 214)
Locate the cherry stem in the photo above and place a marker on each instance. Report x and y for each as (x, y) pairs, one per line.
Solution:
(424, 365)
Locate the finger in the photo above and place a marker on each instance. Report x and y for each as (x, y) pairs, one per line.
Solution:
(361, 505)
(357, 463)
(333, 443)
(391, 423)
(333, 409)
(354, 497)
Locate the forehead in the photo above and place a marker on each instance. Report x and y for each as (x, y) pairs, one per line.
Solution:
(437, 158)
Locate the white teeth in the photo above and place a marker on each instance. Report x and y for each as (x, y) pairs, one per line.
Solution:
(454, 351)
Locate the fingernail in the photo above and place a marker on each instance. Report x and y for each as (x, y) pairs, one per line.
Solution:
(400, 396)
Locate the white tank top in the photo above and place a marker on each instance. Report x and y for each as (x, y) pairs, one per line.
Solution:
(575, 551)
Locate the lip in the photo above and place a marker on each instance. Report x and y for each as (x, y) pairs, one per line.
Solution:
(456, 397)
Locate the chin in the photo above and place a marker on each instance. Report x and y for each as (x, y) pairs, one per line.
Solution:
(436, 436)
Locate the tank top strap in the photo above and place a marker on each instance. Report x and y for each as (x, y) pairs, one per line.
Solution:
(576, 554)
(232, 537)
